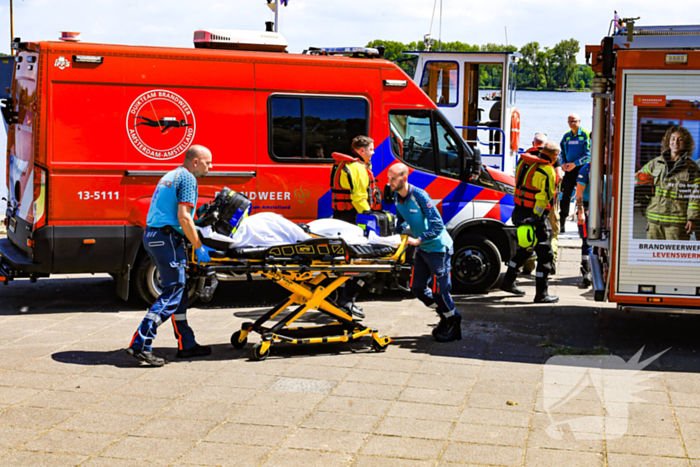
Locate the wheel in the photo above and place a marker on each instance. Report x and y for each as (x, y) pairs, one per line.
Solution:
(377, 347)
(146, 281)
(476, 264)
(236, 342)
(258, 354)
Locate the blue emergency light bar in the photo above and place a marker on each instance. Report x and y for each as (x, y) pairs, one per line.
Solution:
(349, 51)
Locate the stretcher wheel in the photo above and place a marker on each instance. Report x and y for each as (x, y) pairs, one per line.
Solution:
(258, 354)
(235, 340)
(377, 347)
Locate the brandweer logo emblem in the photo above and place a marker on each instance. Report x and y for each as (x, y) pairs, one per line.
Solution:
(160, 124)
(301, 194)
(61, 63)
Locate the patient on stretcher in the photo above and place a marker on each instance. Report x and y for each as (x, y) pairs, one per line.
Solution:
(227, 227)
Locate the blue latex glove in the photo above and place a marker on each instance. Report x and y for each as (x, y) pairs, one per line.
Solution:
(203, 254)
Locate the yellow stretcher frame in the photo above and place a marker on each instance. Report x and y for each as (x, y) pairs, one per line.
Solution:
(305, 282)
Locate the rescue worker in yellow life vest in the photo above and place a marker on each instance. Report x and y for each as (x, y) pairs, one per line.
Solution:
(674, 210)
(354, 190)
(535, 187)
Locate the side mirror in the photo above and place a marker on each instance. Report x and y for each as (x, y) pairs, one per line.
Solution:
(388, 195)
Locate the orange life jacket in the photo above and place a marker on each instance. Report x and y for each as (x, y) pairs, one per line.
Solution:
(525, 191)
(342, 196)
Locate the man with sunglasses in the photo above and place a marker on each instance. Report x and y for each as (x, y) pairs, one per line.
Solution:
(575, 153)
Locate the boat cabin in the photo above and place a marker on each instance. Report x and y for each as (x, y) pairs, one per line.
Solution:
(476, 92)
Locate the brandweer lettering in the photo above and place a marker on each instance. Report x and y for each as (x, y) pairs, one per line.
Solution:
(268, 195)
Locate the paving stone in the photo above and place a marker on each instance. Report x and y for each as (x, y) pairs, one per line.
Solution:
(441, 382)
(483, 454)
(690, 430)
(489, 434)
(302, 385)
(130, 405)
(434, 367)
(341, 421)
(662, 447)
(12, 437)
(389, 364)
(568, 442)
(32, 380)
(367, 390)
(371, 461)
(81, 383)
(154, 389)
(354, 405)
(101, 423)
(255, 435)
(63, 400)
(550, 458)
(192, 430)
(424, 429)
(499, 401)
(432, 396)
(220, 394)
(272, 416)
(325, 440)
(111, 462)
(523, 374)
(325, 373)
(43, 459)
(199, 410)
(34, 417)
(516, 418)
(409, 448)
(692, 446)
(70, 442)
(419, 411)
(394, 378)
(629, 460)
(11, 396)
(300, 458)
(237, 380)
(148, 449)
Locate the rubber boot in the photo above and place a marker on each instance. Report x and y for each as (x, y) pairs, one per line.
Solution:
(541, 294)
(440, 328)
(508, 284)
(452, 330)
(586, 273)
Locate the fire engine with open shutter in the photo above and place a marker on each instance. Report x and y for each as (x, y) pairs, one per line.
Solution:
(645, 182)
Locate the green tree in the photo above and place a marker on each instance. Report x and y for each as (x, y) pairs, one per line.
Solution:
(564, 58)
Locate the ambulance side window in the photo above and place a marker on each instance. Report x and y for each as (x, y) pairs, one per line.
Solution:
(310, 129)
(411, 138)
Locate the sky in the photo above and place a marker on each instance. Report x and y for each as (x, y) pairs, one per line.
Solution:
(335, 23)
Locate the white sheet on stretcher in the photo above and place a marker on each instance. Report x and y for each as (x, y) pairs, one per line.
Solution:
(270, 229)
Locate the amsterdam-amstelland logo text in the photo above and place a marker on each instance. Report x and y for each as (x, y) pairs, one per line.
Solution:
(160, 124)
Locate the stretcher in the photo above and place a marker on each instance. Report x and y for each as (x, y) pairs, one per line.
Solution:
(311, 271)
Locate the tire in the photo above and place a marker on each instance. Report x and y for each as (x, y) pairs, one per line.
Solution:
(235, 340)
(476, 264)
(146, 281)
(258, 355)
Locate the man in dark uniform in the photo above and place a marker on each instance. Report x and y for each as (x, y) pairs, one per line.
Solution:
(535, 187)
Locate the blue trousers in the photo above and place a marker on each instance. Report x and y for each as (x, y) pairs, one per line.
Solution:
(433, 268)
(169, 254)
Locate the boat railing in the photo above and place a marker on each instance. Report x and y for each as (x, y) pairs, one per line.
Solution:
(499, 143)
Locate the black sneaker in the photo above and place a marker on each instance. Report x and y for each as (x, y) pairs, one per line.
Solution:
(452, 330)
(196, 351)
(146, 356)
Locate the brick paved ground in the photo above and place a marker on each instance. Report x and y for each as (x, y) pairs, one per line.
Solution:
(69, 396)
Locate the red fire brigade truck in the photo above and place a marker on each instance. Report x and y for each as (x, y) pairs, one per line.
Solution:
(92, 128)
(645, 183)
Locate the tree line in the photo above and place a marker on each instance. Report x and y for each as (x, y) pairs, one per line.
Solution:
(541, 68)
